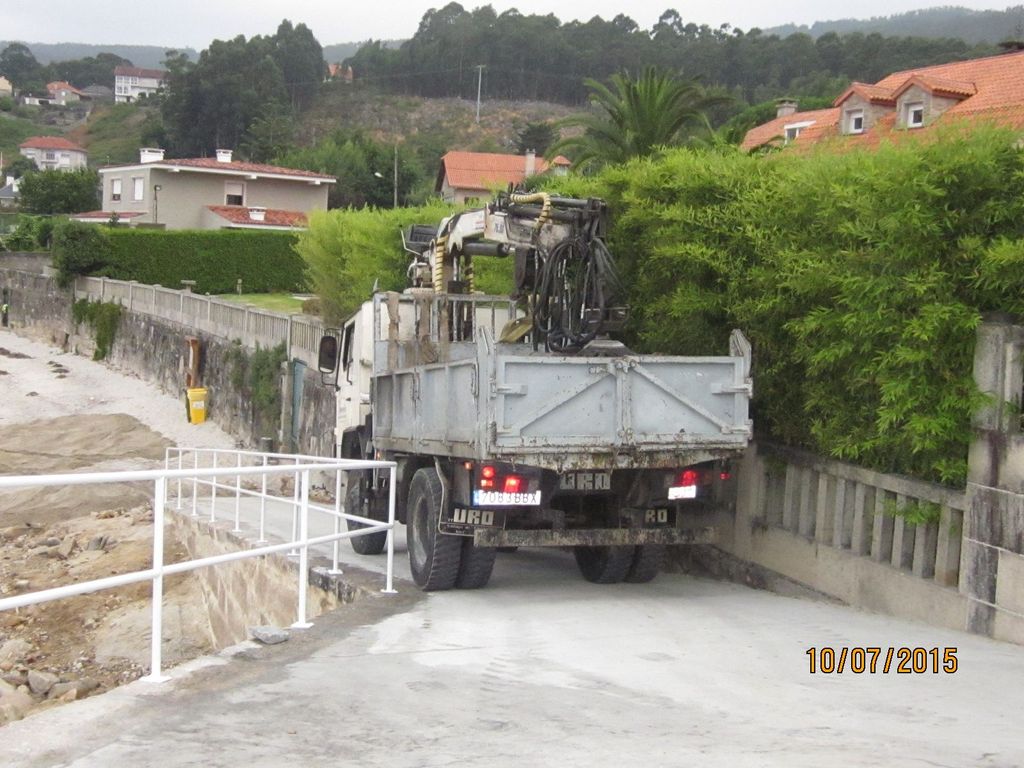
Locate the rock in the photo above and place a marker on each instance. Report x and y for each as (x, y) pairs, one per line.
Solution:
(14, 678)
(69, 696)
(269, 635)
(81, 689)
(15, 650)
(14, 704)
(40, 682)
(50, 541)
(22, 583)
(41, 551)
(99, 543)
(6, 666)
(66, 547)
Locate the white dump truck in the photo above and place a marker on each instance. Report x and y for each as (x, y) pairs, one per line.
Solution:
(518, 421)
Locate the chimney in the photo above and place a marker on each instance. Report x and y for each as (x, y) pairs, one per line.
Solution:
(531, 162)
(257, 213)
(150, 155)
(785, 107)
(223, 155)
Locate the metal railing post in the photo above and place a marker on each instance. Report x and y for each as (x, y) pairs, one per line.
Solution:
(181, 458)
(213, 491)
(389, 587)
(295, 508)
(263, 505)
(238, 496)
(338, 506)
(195, 483)
(301, 622)
(156, 623)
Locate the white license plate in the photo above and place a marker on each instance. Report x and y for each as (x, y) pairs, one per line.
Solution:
(682, 492)
(499, 499)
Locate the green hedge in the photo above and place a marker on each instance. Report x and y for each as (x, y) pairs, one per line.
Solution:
(215, 259)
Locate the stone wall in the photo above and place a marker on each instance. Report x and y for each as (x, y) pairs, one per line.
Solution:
(993, 562)
(154, 349)
(36, 262)
(257, 591)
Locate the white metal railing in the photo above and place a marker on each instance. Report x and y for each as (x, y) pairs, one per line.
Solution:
(208, 468)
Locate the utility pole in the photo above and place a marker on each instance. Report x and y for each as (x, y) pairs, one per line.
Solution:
(394, 202)
(479, 82)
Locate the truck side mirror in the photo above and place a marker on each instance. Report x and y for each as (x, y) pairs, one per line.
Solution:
(327, 357)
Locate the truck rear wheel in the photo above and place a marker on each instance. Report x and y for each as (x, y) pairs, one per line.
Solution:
(476, 565)
(604, 564)
(357, 502)
(433, 557)
(647, 562)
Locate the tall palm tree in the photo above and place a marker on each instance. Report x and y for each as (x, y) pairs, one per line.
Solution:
(636, 117)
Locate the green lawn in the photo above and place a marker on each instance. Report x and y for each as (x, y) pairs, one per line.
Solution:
(277, 302)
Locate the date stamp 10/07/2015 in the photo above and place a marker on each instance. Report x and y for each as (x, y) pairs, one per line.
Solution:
(873, 660)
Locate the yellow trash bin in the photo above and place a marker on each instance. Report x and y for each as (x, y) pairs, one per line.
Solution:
(195, 399)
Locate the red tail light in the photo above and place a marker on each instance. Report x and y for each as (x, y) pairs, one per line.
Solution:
(725, 476)
(513, 484)
(487, 472)
(688, 477)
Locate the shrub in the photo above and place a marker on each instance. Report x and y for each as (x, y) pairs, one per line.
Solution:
(78, 249)
(104, 318)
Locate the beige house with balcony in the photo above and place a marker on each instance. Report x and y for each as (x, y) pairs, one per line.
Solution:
(208, 193)
(54, 153)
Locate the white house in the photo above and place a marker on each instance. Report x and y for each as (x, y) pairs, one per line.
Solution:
(54, 153)
(132, 82)
(6, 89)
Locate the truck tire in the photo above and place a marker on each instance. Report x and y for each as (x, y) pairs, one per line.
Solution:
(357, 503)
(604, 564)
(476, 565)
(647, 562)
(433, 556)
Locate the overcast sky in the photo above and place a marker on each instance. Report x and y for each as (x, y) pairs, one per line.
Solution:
(195, 23)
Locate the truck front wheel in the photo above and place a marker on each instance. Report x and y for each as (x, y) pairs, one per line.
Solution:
(433, 557)
(357, 502)
(604, 564)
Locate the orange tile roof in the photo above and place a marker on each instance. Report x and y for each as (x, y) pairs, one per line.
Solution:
(273, 217)
(992, 87)
(62, 85)
(823, 119)
(872, 93)
(49, 142)
(484, 170)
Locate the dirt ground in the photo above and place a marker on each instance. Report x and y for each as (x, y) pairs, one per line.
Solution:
(60, 413)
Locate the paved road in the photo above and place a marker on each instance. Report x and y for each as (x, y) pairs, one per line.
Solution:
(543, 668)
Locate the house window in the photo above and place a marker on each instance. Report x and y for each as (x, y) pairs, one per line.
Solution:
(115, 190)
(792, 130)
(138, 188)
(234, 193)
(51, 155)
(915, 114)
(855, 121)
